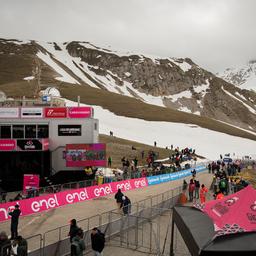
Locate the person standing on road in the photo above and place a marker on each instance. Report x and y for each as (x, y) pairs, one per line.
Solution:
(191, 189)
(78, 244)
(15, 214)
(203, 192)
(118, 196)
(126, 205)
(98, 241)
(197, 188)
(73, 229)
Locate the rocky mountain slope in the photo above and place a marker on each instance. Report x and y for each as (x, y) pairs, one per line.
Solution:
(172, 83)
(243, 77)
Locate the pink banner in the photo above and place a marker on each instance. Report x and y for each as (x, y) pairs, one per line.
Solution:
(234, 213)
(52, 201)
(7, 145)
(80, 112)
(30, 181)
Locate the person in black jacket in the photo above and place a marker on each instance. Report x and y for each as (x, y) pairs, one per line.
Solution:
(5, 244)
(73, 229)
(22, 249)
(98, 241)
(15, 214)
(118, 197)
(126, 205)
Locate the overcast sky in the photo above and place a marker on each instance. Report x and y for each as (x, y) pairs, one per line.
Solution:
(214, 33)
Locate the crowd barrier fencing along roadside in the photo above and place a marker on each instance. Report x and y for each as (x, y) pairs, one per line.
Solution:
(52, 201)
(56, 242)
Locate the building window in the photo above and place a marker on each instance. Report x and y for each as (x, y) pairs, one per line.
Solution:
(6, 132)
(95, 126)
(18, 131)
(30, 131)
(42, 131)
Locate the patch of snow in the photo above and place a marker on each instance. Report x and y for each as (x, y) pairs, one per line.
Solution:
(250, 127)
(202, 89)
(199, 102)
(183, 65)
(252, 110)
(28, 78)
(184, 109)
(160, 77)
(98, 56)
(64, 57)
(184, 94)
(207, 143)
(65, 77)
(197, 113)
(241, 96)
(128, 74)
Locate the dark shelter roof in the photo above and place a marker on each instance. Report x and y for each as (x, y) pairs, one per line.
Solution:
(197, 231)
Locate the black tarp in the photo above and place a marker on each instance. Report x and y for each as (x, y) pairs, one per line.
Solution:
(197, 231)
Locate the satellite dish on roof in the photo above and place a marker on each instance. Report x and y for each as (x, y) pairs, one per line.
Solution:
(2, 96)
(52, 91)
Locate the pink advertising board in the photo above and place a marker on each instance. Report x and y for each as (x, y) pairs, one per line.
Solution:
(80, 112)
(8, 145)
(30, 181)
(53, 201)
(234, 213)
(82, 155)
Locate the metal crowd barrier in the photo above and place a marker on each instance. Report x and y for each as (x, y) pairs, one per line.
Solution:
(56, 242)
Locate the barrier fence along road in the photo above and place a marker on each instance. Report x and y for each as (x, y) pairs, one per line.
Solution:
(44, 203)
(56, 242)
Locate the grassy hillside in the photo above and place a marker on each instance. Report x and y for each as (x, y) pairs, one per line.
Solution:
(130, 107)
(118, 148)
(126, 106)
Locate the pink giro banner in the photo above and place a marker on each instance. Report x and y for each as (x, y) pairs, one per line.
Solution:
(235, 213)
(53, 201)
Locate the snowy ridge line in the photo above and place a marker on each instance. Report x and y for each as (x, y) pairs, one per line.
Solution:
(252, 110)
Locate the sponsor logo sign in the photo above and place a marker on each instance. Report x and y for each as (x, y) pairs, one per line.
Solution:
(69, 130)
(9, 112)
(55, 112)
(7, 145)
(53, 201)
(80, 112)
(154, 180)
(31, 112)
(29, 145)
(82, 155)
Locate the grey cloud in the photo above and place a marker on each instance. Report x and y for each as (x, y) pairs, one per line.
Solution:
(215, 34)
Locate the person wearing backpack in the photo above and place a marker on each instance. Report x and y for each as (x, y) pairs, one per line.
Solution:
(98, 241)
(191, 189)
(78, 244)
(223, 186)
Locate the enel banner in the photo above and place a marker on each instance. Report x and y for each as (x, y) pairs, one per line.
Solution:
(52, 201)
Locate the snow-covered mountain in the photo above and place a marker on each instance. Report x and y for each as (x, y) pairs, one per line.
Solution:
(243, 77)
(175, 83)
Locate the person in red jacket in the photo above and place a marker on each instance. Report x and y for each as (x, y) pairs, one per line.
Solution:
(191, 189)
(203, 192)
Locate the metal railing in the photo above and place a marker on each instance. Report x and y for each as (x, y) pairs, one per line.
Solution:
(87, 183)
(112, 223)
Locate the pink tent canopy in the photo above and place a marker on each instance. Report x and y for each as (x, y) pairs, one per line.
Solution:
(234, 213)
